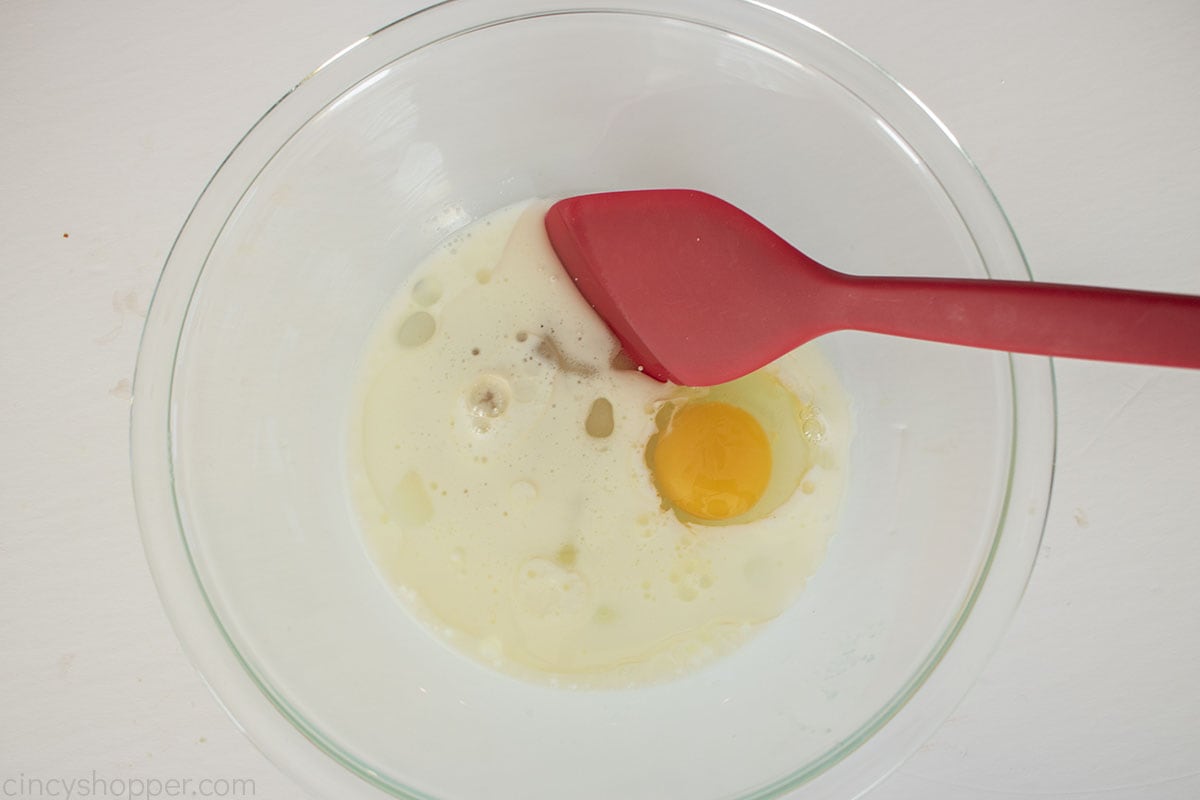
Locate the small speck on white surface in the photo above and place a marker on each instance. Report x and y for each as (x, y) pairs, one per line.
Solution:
(1082, 115)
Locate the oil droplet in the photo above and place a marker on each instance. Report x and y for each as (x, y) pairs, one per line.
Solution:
(567, 555)
(417, 329)
(599, 423)
(427, 291)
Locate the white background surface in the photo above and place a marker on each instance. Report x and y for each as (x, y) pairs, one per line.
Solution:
(1085, 117)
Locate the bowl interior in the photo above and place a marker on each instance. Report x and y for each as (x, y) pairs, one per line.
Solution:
(432, 124)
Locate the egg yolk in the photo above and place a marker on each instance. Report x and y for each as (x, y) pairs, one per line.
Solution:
(713, 461)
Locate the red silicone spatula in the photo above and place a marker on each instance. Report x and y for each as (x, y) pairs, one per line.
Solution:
(699, 292)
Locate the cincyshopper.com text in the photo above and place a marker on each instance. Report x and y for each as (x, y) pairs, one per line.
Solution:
(96, 787)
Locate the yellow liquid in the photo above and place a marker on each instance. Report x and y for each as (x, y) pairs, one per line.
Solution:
(498, 457)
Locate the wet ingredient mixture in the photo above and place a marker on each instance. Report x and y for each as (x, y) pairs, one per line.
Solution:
(554, 512)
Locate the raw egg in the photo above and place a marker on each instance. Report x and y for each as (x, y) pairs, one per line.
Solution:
(713, 461)
(732, 453)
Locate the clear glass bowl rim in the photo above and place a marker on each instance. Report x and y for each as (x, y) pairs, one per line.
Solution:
(878, 746)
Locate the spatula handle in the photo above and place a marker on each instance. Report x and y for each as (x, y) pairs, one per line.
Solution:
(1045, 319)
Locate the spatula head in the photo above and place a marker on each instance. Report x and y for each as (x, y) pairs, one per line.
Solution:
(697, 291)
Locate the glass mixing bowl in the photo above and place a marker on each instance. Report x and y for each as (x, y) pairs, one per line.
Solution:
(249, 354)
